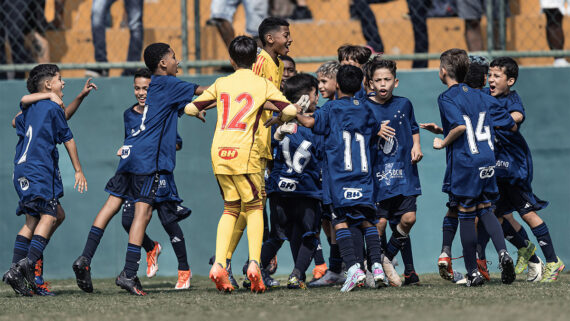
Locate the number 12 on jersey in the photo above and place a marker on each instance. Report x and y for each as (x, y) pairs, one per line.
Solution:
(235, 122)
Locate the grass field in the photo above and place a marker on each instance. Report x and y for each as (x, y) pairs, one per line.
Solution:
(434, 300)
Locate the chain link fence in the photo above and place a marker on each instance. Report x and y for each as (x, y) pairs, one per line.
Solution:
(106, 37)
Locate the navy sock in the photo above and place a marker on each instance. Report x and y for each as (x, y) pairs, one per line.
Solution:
(319, 257)
(295, 239)
(358, 241)
(148, 243)
(522, 233)
(346, 246)
(373, 245)
(383, 242)
(468, 240)
(178, 244)
(543, 236)
(37, 247)
(512, 236)
(305, 255)
(397, 241)
(93, 239)
(482, 240)
(269, 249)
(132, 260)
(406, 252)
(449, 230)
(335, 260)
(493, 228)
(21, 248)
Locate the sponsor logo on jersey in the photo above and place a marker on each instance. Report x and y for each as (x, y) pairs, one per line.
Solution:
(486, 172)
(502, 164)
(228, 153)
(351, 193)
(389, 173)
(24, 183)
(287, 185)
(126, 151)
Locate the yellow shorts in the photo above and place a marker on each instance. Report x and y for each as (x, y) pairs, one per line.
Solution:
(244, 187)
(263, 162)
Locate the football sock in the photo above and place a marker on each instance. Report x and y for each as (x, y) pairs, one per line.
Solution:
(522, 233)
(468, 240)
(269, 249)
(346, 246)
(358, 243)
(305, 254)
(319, 257)
(93, 239)
(373, 245)
(398, 239)
(482, 240)
(132, 260)
(295, 240)
(493, 227)
(512, 236)
(178, 244)
(148, 243)
(225, 230)
(406, 252)
(335, 260)
(265, 216)
(543, 237)
(383, 242)
(449, 230)
(21, 248)
(254, 218)
(37, 247)
(236, 234)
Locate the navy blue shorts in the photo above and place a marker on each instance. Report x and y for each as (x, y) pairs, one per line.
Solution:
(354, 215)
(136, 188)
(513, 198)
(168, 212)
(38, 206)
(394, 207)
(467, 202)
(288, 212)
(326, 211)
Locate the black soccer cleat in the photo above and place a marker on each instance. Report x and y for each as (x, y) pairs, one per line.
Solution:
(268, 280)
(411, 279)
(28, 271)
(16, 280)
(507, 267)
(230, 274)
(132, 285)
(475, 279)
(82, 271)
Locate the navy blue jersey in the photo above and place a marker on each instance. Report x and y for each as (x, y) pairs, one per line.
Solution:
(394, 173)
(512, 101)
(36, 170)
(470, 158)
(297, 162)
(152, 146)
(348, 126)
(361, 93)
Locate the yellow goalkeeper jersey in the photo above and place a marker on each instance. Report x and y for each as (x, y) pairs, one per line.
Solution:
(239, 99)
(266, 68)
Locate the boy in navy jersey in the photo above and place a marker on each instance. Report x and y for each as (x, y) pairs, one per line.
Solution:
(349, 126)
(294, 187)
(395, 170)
(356, 56)
(514, 171)
(150, 151)
(36, 174)
(469, 135)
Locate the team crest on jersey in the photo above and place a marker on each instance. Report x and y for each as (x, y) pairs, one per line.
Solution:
(228, 153)
(356, 102)
(126, 151)
(391, 171)
(388, 147)
(24, 183)
(465, 89)
(287, 185)
(486, 172)
(351, 193)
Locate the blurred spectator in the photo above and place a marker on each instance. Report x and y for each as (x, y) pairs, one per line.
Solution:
(472, 11)
(360, 10)
(554, 9)
(99, 10)
(13, 22)
(301, 11)
(35, 29)
(418, 10)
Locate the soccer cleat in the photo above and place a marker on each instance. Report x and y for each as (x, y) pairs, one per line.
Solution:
(254, 275)
(535, 271)
(444, 265)
(272, 266)
(458, 278)
(183, 280)
(391, 275)
(42, 287)
(295, 283)
(475, 279)
(230, 274)
(552, 270)
(152, 260)
(268, 280)
(354, 277)
(329, 279)
(220, 276)
(14, 278)
(319, 271)
(411, 279)
(482, 267)
(507, 268)
(523, 255)
(132, 285)
(378, 275)
(83, 274)
(27, 269)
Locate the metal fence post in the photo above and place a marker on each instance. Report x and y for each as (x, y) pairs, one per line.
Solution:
(184, 35)
(502, 30)
(197, 39)
(490, 42)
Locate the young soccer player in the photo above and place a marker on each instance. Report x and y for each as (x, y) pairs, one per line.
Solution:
(348, 126)
(146, 154)
(515, 172)
(470, 157)
(36, 175)
(395, 170)
(356, 56)
(289, 69)
(236, 154)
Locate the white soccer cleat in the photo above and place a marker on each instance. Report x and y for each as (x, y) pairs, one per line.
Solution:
(392, 276)
(152, 260)
(535, 271)
(183, 280)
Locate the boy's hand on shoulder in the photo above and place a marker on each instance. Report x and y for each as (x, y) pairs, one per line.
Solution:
(202, 116)
(432, 127)
(303, 104)
(55, 98)
(80, 182)
(386, 131)
(438, 143)
(417, 154)
(88, 87)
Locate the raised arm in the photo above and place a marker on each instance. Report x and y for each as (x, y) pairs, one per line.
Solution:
(72, 107)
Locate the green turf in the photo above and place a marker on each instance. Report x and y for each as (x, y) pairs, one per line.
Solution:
(434, 300)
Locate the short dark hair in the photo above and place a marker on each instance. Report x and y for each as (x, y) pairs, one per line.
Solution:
(268, 25)
(456, 63)
(38, 74)
(153, 53)
(287, 58)
(143, 73)
(349, 79)
(478, 68)
(510, 65)
(299, 85)
(357, 53)
(371, 66)
(243, 51)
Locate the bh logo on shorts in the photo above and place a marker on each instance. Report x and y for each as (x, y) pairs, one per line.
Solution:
(351, 193)
(486, 172)
(126, 151)
(287, 184)
(228, 153)
(24, 183)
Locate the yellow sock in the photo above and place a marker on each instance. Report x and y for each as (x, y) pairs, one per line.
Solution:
(225, 228)
(236, 234)
(254, 217)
